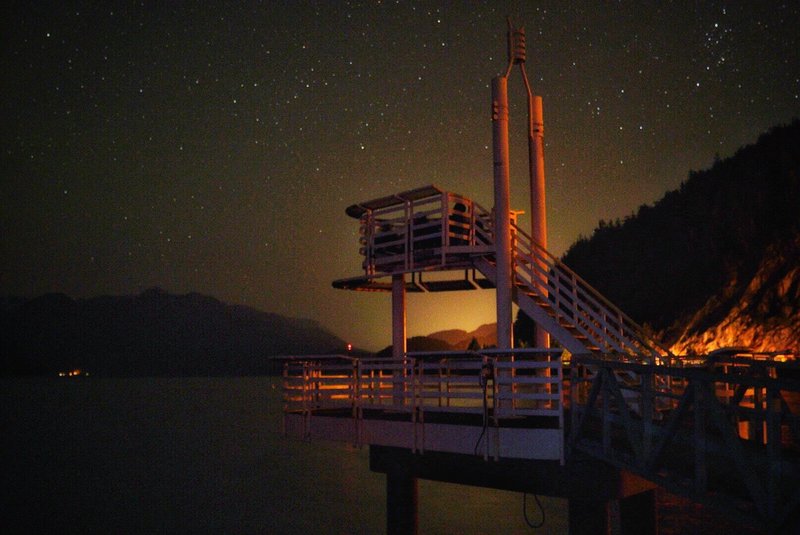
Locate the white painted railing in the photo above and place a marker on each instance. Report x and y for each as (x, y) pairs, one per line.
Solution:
(732, 415)
(575, 303)
(493, 403)
(419, 232)
(499, 383)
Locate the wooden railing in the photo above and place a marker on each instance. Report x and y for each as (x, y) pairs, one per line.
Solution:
(725, 433)
(515, 382)
(422, 232)
(577, 304)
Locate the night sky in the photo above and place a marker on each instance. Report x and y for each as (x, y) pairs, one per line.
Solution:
(213, 146)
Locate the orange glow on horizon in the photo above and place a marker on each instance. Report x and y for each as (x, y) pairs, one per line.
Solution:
(77, 372)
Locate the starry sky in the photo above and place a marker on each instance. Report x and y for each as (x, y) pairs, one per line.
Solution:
(213, 146)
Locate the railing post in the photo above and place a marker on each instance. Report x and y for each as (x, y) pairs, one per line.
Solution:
(773, 448)
(306, 399)
(495, 408)
(574, 307)
(561, 401)
(575, 382)
(286, 395)
(408, 249)
(398, 336)
(444, 372)
(367, 233)
(700, 468)
(758, 415)
(647, 379)
(471, 234)
(605, 391)
(444, 227)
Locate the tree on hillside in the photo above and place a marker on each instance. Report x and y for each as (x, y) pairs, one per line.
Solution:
(664, 262)
(524, 328)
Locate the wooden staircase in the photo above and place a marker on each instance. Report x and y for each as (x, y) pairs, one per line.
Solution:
(566, 306)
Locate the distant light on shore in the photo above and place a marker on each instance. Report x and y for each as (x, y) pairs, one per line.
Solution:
(74, 373)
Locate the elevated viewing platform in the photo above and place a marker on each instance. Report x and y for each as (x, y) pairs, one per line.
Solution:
(601, 421)
(421, 230)
(722, 429)
(422, 233)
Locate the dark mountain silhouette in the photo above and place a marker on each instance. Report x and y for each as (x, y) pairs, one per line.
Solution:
(418, 343)
(716, 256)
(485, 335)
(155, 333)
(449, 340)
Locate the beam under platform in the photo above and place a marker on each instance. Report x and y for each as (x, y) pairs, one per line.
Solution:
(636, 514)
(401, 501)
(603, 499)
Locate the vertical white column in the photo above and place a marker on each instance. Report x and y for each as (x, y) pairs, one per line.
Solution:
(502, 223)
(538, 209)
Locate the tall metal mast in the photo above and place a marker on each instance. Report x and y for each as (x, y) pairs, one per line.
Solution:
(516, 56)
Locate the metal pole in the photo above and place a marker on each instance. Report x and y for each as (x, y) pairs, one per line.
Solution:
(536, 165)
(517, 56)
(502, 221)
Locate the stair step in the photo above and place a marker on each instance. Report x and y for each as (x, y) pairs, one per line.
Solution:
(562, 305)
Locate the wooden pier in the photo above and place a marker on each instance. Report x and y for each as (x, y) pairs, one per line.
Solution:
(722, 431)
(600, 421)
(621, 412)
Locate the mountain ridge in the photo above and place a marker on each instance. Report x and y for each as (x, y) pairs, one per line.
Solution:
(485, 335)
(699, 267)
(153, 333)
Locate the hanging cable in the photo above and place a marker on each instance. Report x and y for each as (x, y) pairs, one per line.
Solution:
(525, 511)
(483, 380)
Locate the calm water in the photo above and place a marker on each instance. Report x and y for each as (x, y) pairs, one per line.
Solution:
(203, 455)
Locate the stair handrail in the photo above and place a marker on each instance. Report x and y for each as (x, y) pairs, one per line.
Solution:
(636, 331)
(586, 316)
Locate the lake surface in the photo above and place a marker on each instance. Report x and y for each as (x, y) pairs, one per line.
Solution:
(204, 455)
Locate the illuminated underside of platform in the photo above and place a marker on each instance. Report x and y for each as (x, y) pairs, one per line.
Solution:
(493, 442)
(419, 283)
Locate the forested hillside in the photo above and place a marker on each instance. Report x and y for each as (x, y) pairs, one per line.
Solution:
(683, 264)
(154, 333)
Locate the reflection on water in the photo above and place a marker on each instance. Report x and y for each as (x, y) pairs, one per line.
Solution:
(206, 455)
(203, 455)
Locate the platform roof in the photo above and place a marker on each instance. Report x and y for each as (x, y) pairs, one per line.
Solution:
(383, 283)
(359, 209)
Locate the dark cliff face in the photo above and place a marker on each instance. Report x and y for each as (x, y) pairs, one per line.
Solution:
(705, 265)
(762, 313)
(154, 333)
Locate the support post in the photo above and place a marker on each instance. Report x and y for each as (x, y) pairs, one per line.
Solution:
(401, 501)
(398, 335)
(502, 212)
(536, 171)
(502, 224)
(700, 467)
(639, 513)
(648, 411)
(616, 516)
(591, 517)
